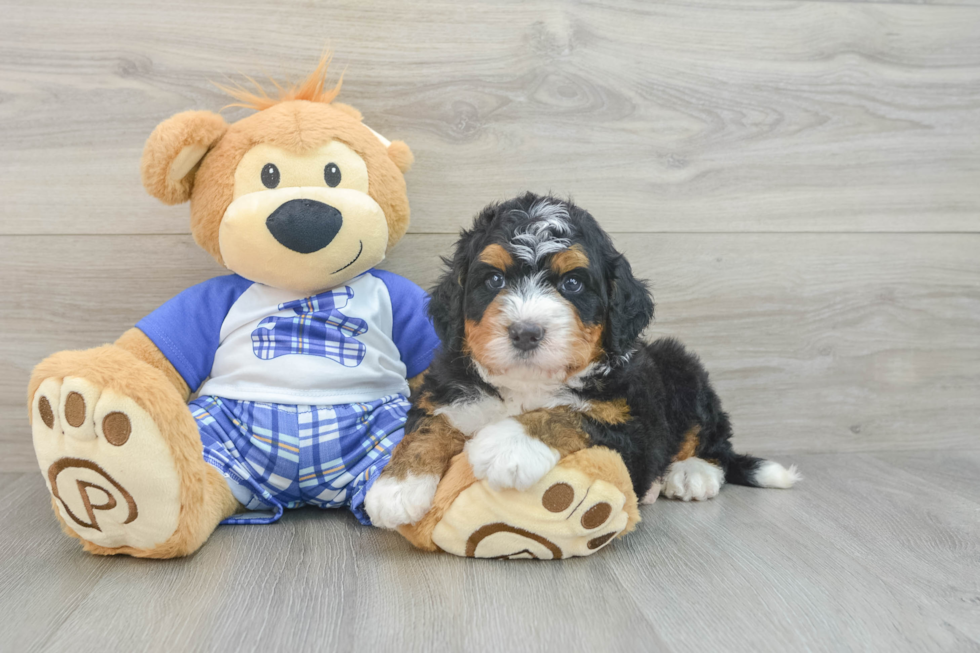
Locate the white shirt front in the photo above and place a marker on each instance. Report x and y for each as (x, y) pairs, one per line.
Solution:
(251, 342)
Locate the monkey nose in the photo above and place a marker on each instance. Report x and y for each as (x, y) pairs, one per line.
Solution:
(304, 226)
(525, 336)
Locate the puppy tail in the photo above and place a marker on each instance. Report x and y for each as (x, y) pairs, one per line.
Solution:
(741, 469)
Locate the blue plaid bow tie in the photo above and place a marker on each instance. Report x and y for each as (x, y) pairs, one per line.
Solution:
(319, 329)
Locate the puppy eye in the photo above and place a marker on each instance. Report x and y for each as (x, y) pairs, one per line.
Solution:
(571, 285)
(496, 281)
(270, 175)
(331, 174)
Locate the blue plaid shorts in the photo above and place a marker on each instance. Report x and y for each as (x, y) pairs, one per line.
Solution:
(277, 456)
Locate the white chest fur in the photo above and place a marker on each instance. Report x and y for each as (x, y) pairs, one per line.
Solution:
(517, 397)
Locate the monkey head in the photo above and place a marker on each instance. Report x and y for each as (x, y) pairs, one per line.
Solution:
(300, 195)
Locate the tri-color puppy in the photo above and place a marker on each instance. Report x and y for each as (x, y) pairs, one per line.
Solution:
(540, 319)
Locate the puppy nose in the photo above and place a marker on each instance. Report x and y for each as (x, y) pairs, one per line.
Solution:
(525, 336)
(304, 226)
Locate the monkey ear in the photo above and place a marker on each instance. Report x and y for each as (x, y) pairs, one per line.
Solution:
(174, 150)
(402, 156)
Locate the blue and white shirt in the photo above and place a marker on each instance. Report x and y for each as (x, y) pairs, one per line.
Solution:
(251, 342)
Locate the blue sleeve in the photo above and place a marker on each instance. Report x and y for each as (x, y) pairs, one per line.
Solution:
(187, 329)
(411, 327)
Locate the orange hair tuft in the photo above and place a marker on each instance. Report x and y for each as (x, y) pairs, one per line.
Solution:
(313, 89)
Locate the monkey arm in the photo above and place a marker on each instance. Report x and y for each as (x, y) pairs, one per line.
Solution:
(139, 345)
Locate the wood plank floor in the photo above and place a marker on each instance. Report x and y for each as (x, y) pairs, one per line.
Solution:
(872, 552)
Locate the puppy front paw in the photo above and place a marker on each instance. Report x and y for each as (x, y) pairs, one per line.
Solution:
(392, 502)
(507, 457)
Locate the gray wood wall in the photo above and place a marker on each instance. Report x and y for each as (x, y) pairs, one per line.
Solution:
(799, 180)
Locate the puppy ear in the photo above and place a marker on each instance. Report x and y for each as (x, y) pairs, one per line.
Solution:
(446, 305)
(446, 308)
(174, 150)
(630, 310)
(402, 156)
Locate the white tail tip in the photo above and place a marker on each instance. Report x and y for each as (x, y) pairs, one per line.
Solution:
(772, 474)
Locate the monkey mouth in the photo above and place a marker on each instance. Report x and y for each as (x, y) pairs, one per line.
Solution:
(359, 251)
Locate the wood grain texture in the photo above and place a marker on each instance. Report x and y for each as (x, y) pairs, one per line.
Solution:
(859, 542)
(817, 342)
(710, 116)
(755, 160)
(865, 555)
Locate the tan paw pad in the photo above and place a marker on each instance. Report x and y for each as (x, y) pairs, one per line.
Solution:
(567, 513)
(106, 464)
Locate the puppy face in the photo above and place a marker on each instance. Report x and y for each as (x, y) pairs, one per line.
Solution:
(535, 290)
(534, 318)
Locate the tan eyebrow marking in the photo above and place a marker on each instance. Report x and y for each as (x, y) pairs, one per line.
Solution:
(569, 259)
(497, 256)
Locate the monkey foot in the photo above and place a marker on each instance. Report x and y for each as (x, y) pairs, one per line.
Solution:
(574, 510)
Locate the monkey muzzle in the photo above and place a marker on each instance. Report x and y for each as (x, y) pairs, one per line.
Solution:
(304, 239)
(304, 225)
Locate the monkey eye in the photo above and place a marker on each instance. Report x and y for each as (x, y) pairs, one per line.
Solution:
(270, 175)
(331, 174)
(496, 281)
(571, 285)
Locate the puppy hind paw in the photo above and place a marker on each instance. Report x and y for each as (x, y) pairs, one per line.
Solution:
(692, 478)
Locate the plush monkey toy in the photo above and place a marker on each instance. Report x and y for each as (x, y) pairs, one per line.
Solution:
(298, 362)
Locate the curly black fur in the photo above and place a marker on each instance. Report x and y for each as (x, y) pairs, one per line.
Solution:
(666, 388)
